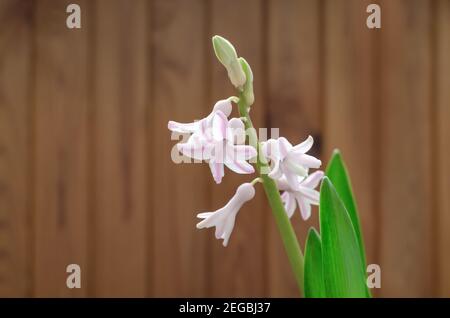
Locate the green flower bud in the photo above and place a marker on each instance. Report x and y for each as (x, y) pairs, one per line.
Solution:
(226, 54)
(248, 86)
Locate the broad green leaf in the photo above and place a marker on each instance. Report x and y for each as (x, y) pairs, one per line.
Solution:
(342, 268)
(339, 177)
(314, 284)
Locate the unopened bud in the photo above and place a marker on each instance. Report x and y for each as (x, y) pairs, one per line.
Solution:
(248, 86)
(226, 54)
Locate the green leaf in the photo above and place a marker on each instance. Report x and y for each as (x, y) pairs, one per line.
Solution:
(342, 268)
(314, 284)
(339, 177)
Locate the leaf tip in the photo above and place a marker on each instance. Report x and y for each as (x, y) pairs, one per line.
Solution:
(313, 234)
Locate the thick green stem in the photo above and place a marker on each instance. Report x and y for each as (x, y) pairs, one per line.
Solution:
(285, 228)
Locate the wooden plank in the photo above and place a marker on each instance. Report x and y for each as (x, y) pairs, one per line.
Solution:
(15, 173)
(120, 148)
(350, 105)
(293, 86)
(178, 191)
(60, 211)
(443, 144)
(405, 149)
(238, 269)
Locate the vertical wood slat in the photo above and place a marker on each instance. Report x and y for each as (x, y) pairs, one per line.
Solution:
(443, 144)
(120, 148)
(405, 139)
(15, 90)
(179, 191)
(61, 149)
(238, 269)
(293, 107)
(349, 108)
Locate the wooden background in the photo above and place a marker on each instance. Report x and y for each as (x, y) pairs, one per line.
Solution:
(85, 169)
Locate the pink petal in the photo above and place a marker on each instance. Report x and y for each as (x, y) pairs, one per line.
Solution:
(313, 180)
(183, 128)
(292, 179)
(310, 194)
(241, 167)
(191, 150)
(305, 208)
(217, 171)
(270, 149)
(242, 152)
(236, 131)
(304, 146)
(224, 106)
(305, 160)
(289, 203)
(284, 146)
(236, 156)
(219, 126)
(276, 171)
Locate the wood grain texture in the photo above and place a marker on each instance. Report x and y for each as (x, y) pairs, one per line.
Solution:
(350, 108)
(60, 163)
(86, 174)
(179, 191)
(442, 68)
(238, 269)
(120, 134)
(293, 95)
(405, 139)
(15, 172)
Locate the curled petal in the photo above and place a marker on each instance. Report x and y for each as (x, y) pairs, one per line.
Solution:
(184, 128)
(270, 149)
(282, 184)
(241, 167)
(224, 106)
(289, 203)
(243, 152)
(275, 172)
(219, 126)
(313, 180)
(293, 180)
(236, 131)
(284, 147)
(191, 150)
(312, 195)
(203, 215)
(305, 146)
(305, 207)
(310, 161)
(296, 168)
(217, 171)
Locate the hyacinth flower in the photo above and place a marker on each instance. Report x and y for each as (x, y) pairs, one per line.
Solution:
(285, 173)
(289, 161)
(224, 218)
(199, 127)
(219, 142)
(304, 196)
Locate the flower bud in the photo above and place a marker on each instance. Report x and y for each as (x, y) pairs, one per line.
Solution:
(248, 86)
(226, 54)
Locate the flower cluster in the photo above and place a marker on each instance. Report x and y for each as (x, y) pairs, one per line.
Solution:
(217, 140)
(220, 142)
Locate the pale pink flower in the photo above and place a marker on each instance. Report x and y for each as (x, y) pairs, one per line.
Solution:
(218, 141)
(304, 196)
(289, 161)
(200, 126)
(223, 219)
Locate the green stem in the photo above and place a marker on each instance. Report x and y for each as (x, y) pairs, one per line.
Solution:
(285, 228)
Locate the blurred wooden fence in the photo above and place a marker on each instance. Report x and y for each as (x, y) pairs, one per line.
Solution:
(85, 169)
